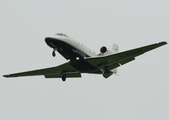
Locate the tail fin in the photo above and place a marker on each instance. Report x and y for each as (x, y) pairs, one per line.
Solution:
(115, 48)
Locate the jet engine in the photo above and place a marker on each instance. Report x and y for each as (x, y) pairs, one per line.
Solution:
(106, 51)
(103, 49)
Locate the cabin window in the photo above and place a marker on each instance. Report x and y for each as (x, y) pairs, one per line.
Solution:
(61, 34)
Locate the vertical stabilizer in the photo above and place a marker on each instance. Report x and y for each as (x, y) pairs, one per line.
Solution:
(115, 48)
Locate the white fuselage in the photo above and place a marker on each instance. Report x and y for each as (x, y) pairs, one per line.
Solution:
(74, 52)
(75, 44)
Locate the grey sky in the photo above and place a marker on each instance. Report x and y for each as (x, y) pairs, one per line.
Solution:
(139, 92)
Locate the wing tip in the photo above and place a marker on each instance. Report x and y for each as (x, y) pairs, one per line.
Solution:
(6, 75)
(163, 43)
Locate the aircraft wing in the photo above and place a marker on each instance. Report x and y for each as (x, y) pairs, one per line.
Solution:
(115, 60)
(53, 72)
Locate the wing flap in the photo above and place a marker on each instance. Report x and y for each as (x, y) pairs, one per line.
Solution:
(126, 60)
(68, 75)
(114, 65)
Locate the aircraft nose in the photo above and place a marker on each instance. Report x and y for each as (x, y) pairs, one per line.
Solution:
(47, 40)
(50, 42)
(50, 39)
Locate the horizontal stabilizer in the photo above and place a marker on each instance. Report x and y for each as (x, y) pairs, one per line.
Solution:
(126, 60)
(106, 75)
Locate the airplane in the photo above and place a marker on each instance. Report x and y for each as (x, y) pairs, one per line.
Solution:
(81, 59)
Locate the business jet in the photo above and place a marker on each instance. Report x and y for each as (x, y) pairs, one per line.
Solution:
(81, 59)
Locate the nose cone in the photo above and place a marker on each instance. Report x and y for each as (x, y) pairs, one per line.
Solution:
(50, 42)
(47, 40)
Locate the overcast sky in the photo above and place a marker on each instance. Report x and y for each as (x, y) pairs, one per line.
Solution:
(139, 92)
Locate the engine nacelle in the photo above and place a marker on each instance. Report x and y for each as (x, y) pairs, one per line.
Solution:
(103, 49)
(107, 51)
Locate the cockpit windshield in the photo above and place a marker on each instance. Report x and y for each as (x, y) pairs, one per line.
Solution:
(62, 34)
